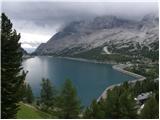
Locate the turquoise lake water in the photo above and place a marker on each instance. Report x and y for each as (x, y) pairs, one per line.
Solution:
(90, 79)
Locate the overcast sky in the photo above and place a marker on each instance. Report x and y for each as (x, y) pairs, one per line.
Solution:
(39, 21)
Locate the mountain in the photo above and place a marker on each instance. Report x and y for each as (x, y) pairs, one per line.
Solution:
(24, 52)
(116, 33)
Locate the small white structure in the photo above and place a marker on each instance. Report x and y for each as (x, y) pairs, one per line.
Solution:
(143, 97)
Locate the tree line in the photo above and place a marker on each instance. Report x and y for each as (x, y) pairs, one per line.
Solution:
(60, 104)
(119, 102)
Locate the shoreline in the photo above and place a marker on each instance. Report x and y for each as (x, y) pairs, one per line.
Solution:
(116, 66)
(120, 68)
(24, 57)
(87, 60)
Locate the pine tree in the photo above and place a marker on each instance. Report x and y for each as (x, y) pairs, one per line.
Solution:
(87, 113)
(70, 106)
(12, 77)
(137, 89)
(127, 106)
(26, 92)
(119, 103)
(112, 104)
(47, 94)
(23, 92)
(151, 109)
(29, 94)
(95, 111)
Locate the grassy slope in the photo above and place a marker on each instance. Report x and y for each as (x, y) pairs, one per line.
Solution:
(27, 112)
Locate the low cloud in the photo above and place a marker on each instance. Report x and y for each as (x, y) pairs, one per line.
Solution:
(38, 21)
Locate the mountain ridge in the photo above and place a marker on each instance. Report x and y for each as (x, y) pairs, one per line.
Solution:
(81, 36)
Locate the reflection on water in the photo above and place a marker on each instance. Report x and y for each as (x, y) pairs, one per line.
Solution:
(90, 79)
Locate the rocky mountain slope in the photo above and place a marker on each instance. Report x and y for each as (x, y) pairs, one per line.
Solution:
(119, 35)
(24, 52)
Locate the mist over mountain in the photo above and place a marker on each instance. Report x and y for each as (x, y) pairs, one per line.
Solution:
(38, 21)
(80, 36)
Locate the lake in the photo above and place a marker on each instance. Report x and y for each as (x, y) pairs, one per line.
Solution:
(90, 79)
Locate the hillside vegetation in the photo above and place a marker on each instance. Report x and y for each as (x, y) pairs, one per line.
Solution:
(27, 111)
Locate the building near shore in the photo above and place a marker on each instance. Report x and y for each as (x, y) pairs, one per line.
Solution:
(140, 99)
